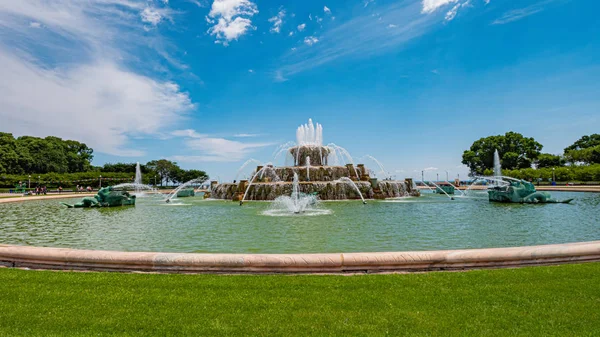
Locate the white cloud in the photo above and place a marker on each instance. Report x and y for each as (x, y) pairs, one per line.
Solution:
(427, 169)
(197, 3)
(71, 80)
(326, 10)
(367, 2)
(430, 6)
(310, 40)
(451, 14)
(277, 21)
(151, 16)
(518, 14)
(391, 25)
(291, 33)
(251, 71)
(247, 135)
(279, 76)
(188, 133)
(99, 104)
(301, 27)
(214, 149)
(233, 19)
(35, 25)
(362, 36)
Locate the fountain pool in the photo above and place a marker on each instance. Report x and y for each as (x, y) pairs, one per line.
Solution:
(217, 226)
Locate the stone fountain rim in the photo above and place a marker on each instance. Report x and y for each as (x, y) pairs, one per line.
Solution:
(311, 263)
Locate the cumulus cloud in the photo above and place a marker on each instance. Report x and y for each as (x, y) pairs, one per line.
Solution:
(35, 25)
(277, 21)
(71, 79)
(215, 149)
(232, 19)
(326, 10)
(99, 104)
(310, 40)
(301, 27)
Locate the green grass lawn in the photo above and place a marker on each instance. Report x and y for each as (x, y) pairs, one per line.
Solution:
(559, 300)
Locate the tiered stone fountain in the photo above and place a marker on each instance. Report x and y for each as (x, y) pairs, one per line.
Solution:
(339, 181)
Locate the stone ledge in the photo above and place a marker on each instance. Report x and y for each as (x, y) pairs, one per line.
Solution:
(416, 261)
(45, 197)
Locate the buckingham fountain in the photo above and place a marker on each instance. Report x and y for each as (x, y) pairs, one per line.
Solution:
(326, 172)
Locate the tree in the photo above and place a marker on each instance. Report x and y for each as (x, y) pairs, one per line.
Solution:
(515, 152)
(585, 150)
(28, 154)
(9, 158)
(584, 143)
(549, 160)
(187, 175)
(590, 155)
(166, 169)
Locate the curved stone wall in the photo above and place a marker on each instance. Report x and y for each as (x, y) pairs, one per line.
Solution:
(72, 259)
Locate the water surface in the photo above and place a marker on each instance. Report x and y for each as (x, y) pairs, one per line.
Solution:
(197, 225)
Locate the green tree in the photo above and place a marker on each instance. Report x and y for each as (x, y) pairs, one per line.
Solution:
(9, 157)
(515, 152)
(549, 160)
(584, 143)
(166, 169)
(585, 150)
(28, 154)
(187, 175)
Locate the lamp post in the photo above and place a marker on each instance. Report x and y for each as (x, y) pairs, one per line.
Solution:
(100, 182)
(39, 179)
(423, 176)
(438, 177)
(446, 175)
(155, 181)
(553, 176)
(29, 182)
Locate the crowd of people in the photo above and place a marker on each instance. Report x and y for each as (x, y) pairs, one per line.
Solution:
(21, 187)
(41, 190)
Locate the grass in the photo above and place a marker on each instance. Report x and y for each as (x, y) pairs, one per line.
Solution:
(559, 300)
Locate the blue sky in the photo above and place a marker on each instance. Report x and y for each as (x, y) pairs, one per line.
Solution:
(211, 84)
